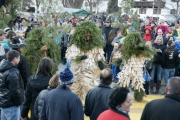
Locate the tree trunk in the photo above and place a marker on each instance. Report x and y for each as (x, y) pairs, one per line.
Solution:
(37, 4)
(65, 3)
(75, 3)
(90, 4)
(177, 12)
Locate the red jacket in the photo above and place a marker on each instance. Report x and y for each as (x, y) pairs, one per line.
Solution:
(147, 37)
(111, 115)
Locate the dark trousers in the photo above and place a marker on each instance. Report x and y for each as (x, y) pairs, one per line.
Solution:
(107, 52)
(177, 71)
(146, 87)
(63, 53)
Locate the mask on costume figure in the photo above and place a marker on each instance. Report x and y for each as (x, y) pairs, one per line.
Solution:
(88, 35)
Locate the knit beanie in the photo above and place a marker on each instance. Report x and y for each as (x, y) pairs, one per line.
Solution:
(66, 76)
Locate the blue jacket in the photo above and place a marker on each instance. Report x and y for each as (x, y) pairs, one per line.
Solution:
(62, 104)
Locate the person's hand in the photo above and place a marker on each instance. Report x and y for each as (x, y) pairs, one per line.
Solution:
(44, 48)
(159, 50)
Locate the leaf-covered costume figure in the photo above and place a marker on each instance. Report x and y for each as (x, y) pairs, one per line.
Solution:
(134, 52)
(85, 50)
(40, 45)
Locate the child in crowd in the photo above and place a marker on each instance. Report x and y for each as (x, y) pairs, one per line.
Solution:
(116, 61)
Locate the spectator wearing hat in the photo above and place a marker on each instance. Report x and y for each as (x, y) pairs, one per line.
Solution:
(61, 103)
(170, 60)
(172, 31)
(23, 67)
(97, 98)
(147, 33)
(53, 83)
(2, 36)
(35, 85)
(106, 31)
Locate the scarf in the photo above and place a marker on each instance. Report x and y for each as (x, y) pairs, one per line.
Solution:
(121, 110)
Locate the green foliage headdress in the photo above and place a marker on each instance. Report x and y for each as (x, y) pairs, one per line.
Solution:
(134, 45)
(79, 38)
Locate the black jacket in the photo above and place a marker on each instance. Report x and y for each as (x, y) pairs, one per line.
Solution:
(97, 101)
(11, 85)
(34, 86)
(65, 39)
(62, 104)
(39, 101)
(163, 109)
(158, 56)
(170, 59)
(23, 68)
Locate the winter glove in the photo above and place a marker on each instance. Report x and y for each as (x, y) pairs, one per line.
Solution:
(140, 48)
(100, 65)
(80, 58)
(117, 61)
(83, 57)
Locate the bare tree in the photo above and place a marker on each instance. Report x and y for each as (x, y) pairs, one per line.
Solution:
(173, 7)
(75, 3)
(38, 2)
(65, 3)
(93, 3)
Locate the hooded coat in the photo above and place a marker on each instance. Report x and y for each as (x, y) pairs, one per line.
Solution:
(34, 86)
(147, 37)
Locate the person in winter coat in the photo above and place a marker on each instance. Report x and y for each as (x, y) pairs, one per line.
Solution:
(119, 102)
(166, 108)
(117, 38)
(35, 85)
(106, 30)
(170, 61)
(97, 98)
(53, 83)
(11, 87)
(160, 33)
(61, 103)
(159, 48)
(23, 67)
(147, 34)
(64, 43)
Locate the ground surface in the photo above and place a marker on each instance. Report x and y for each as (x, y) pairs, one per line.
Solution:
(137, 107)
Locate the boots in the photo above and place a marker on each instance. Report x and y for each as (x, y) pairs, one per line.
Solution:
(158, 85)
(151, 86)
(146, 87)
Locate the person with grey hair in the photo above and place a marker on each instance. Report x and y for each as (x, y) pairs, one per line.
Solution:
(97, 98)
(166, 108)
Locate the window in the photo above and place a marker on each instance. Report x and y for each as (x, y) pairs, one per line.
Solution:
(142, 11)
(173, 11)
(156, 11)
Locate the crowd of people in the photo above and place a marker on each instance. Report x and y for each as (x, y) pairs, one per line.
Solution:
(51, 97)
